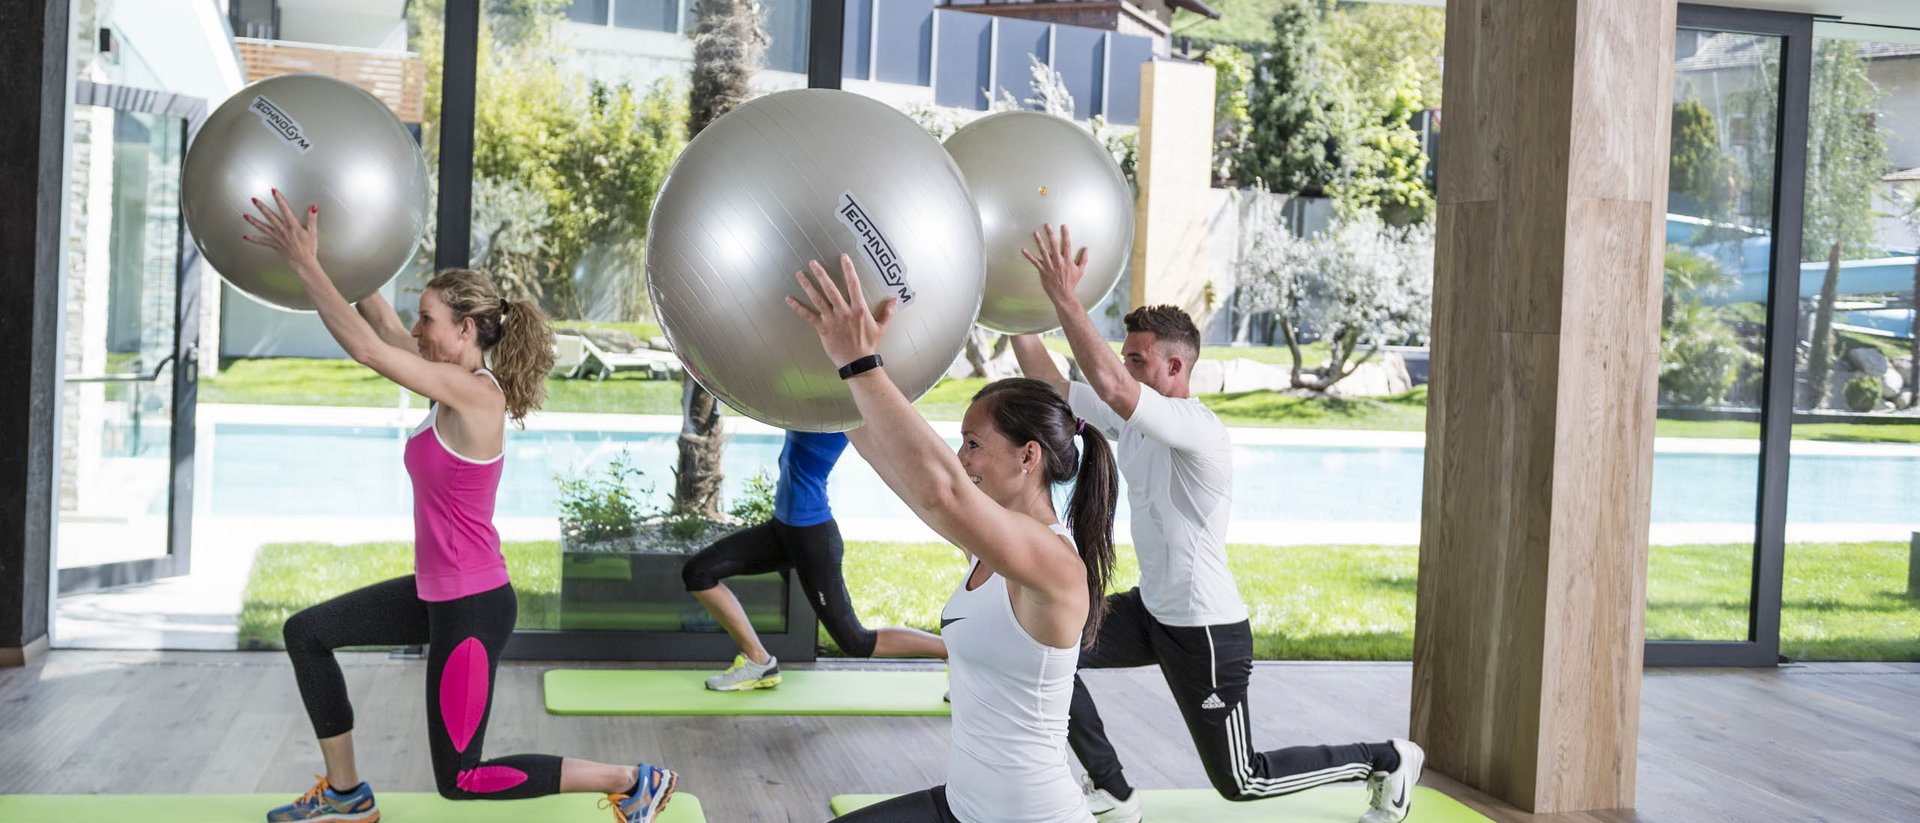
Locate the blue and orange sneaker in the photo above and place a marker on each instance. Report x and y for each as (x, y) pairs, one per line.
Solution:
(323, 803)
(649, 798)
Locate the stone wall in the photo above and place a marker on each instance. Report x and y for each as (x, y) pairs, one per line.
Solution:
(80, 401)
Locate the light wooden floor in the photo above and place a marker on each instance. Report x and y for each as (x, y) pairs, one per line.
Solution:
(1805, 743)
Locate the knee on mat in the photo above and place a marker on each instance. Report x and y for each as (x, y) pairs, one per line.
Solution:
(1230, 790)
(452, 784)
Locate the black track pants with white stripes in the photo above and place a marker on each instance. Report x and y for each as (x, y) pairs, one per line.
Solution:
(1207, 668)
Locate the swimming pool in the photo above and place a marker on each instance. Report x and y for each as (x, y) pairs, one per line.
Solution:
(280, 470)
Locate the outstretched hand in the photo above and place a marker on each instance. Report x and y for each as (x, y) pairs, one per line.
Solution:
(1060, 267)
(848, 329)
(297, 242)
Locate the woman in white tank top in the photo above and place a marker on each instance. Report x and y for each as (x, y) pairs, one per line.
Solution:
(1015, 623)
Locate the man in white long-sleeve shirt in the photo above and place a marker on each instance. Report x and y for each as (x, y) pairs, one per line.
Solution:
(1186, 616)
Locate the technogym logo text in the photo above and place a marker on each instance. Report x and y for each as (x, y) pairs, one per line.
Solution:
(280, 123)
(875, 246)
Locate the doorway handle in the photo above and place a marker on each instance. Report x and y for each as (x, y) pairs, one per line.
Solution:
(131, 377)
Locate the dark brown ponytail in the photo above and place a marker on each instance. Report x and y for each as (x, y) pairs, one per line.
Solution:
(1028, 410)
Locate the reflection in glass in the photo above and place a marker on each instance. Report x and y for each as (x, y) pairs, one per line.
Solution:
(116, 458)
(1713, 326)
(1846, 591)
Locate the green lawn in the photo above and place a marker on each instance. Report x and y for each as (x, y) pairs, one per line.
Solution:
(1836, 432)
(1401, 412)
(297, 381)
(288, 577)
(1893, 349)
(639, 331)
(1842, 601)
(305, 382)
(1311, 354)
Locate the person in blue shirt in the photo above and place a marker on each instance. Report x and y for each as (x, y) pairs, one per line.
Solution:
(803, 537)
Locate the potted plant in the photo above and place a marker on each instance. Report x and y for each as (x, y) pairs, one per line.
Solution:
(621, 558)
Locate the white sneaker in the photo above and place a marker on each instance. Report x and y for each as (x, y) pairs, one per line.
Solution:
(1108, 809)
(1391, 792)
(745, 674)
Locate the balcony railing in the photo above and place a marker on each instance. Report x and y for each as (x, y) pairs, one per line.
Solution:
(398, 78)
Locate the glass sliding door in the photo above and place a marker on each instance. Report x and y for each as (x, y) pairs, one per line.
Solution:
(1726, 347)
(127, 427)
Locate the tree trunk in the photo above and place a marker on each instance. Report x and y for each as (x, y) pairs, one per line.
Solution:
(697, 476)
(728, 46)
(1293, 347)
(1340, 374)
(976, 351)
(1344, 345)
(1820, 359)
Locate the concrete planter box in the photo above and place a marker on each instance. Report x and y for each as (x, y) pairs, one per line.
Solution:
(633, 584)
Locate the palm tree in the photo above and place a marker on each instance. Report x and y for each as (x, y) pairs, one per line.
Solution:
(728, 46)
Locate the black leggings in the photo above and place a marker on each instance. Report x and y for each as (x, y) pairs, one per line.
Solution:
(812, 552)
(1207, 669)
(465, 637)
(924, 806)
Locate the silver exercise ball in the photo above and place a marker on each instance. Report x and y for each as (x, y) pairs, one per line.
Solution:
(808, 175)
(322, 142)
(1027, 169)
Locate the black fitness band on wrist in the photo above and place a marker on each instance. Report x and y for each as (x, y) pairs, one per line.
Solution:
(864, 364)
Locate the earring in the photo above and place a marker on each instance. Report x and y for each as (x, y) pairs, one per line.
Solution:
(1023, 470)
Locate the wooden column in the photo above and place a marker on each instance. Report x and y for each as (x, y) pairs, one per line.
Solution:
(1174, 172)
(1552, 198)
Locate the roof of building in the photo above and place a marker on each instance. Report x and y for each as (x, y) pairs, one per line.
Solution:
(1731, 49)
(1196, 7)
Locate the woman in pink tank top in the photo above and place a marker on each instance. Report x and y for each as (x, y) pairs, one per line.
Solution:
(459, 600)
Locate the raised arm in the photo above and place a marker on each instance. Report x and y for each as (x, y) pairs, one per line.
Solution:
(1037, 363)
(1060, 271)
(915, 463)
(298, 243)
(385, 322)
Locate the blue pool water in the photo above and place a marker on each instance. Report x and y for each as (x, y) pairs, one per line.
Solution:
(270, 470)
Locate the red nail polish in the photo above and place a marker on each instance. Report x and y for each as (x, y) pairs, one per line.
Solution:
(316, 209)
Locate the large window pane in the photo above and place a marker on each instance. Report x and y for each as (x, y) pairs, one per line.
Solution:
(577, 127)
(114, 487)
(120, 318)
(1713, 330)
(1855, 474)
(1324, 524)
(651, 15)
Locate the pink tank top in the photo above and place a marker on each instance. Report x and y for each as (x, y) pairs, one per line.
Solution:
(456, 550)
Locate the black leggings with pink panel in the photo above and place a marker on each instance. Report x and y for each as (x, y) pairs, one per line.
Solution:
(464, 637)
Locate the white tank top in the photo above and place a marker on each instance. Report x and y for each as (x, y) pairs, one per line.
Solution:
(1008, 759)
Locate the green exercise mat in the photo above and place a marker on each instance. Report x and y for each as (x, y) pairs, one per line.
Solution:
(1341, 803)
(679, 691)
(395, 807)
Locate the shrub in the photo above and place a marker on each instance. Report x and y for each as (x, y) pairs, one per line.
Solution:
(1863, 393)
(756, 500)
(601, 507)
